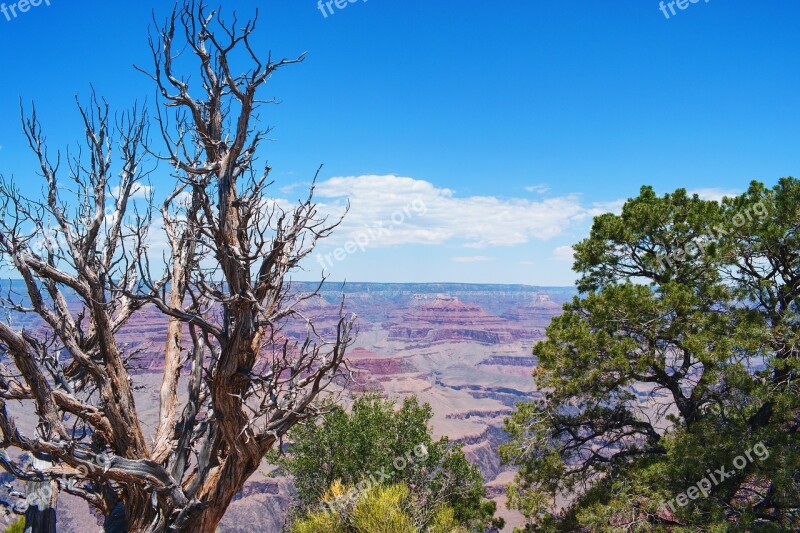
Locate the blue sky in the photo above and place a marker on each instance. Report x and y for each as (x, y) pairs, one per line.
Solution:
(495, 129)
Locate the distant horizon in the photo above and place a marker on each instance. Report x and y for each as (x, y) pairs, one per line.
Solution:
(452, 283)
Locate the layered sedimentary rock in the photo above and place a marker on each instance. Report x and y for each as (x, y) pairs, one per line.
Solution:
(430, 319)
(465, 349)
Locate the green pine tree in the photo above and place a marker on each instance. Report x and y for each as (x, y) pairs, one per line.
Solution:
(679, 356)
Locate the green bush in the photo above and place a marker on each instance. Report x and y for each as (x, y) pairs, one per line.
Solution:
(379, 444)
(17, 527)
(381, 509)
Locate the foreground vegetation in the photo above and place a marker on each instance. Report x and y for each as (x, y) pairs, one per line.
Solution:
(388, 509)
(379, 463)
(16, 527)
(672, 380)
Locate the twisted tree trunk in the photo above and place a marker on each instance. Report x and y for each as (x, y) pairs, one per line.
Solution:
(42, 496)
(223, 293)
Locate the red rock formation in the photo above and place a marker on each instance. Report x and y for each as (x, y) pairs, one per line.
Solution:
(465, 349)
(431, 319)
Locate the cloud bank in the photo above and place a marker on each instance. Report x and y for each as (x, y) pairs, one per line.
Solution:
(477, 222)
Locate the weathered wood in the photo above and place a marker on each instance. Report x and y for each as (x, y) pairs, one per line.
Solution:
(222, 294)
(41, 500)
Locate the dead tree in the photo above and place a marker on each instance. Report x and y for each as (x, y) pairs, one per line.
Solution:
(84, 252)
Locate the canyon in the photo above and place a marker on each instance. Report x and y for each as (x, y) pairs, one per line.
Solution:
(464, 349)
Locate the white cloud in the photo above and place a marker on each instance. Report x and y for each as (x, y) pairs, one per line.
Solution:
(472, 259)
(289, 189)
(138, 190)
(541, 188)
(713, 193)
(564, 253)
(601, 208)
(411, 211)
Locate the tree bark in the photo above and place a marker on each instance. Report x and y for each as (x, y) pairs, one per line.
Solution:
(42, 496)
(223, 294)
